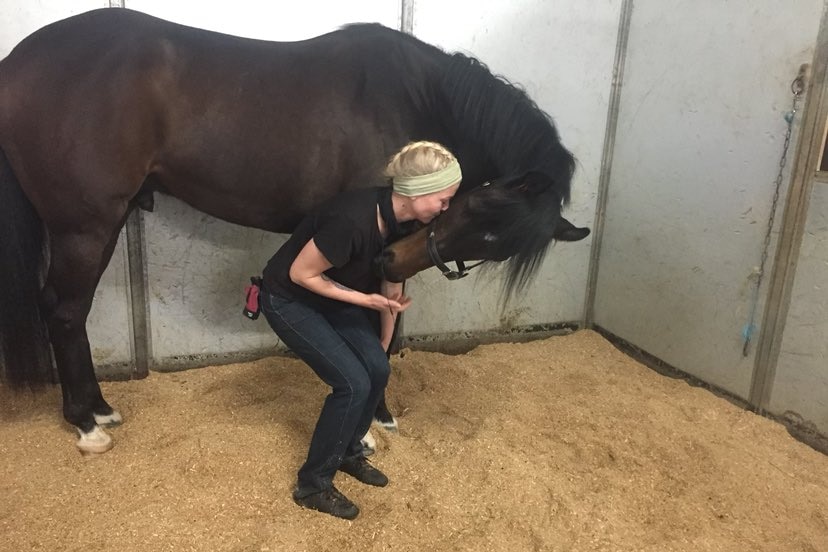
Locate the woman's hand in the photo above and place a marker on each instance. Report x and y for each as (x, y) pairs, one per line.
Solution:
(387, 304)
(402, 300)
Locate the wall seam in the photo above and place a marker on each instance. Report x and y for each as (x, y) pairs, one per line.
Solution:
(606, 161)
(407, 16)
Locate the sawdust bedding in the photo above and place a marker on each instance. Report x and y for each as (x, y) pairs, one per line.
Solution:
(563, 444)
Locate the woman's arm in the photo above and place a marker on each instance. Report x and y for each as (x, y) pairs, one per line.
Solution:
(388, 317)
(308, 270)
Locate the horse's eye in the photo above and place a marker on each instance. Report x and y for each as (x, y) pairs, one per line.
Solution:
(489, 237)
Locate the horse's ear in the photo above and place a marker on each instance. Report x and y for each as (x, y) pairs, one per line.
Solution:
(566, 231)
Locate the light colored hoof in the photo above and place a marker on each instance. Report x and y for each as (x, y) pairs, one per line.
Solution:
(112, 420)
(369, 444)
(95, 442)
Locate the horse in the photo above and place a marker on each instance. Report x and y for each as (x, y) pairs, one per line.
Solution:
(100, 111)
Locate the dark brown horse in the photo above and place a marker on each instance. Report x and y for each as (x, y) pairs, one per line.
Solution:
(100, 110)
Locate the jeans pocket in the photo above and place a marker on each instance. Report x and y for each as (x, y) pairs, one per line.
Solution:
(283, 312)
(271, 301)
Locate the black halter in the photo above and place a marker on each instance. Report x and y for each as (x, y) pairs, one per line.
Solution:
(431, 246)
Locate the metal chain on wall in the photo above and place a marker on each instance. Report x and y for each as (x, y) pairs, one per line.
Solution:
(797, 87)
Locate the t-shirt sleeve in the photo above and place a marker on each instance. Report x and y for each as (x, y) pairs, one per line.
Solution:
(337, 239)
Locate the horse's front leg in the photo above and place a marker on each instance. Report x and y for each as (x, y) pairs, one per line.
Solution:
(384, 418)
(77, 261)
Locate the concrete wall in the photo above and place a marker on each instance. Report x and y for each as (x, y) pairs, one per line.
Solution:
(700, 132)
(800, 389)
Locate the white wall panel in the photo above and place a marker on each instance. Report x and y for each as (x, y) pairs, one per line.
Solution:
(20, 19)
(800, 389)
(198, 267)
(109, 325)
(700, 133)
(562, 54)
(272, 19)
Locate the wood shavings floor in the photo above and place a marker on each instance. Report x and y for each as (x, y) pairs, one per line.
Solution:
(563, 444)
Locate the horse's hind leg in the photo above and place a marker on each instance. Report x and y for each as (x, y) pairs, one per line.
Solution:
(77, 262)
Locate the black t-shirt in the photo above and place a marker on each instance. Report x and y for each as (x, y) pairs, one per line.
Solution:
(345, 231)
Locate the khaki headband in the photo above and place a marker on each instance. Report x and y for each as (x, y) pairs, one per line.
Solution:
(429, 183)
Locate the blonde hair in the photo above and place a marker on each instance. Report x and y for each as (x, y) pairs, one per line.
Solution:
(418, 159)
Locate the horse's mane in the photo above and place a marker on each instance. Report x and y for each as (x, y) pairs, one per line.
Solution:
(406, 65)
(516, 134)
(521, 141)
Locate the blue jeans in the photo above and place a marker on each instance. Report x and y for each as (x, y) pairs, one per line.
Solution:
(344, 350)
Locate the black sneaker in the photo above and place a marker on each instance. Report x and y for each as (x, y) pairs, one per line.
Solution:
(329, 501)
(363, 471)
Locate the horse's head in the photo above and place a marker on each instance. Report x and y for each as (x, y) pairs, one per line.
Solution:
(497, 130)
(513, 219)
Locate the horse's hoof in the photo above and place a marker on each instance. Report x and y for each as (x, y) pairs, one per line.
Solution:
(388, 426)
(95, 442)
(109, 420)
(369, 444)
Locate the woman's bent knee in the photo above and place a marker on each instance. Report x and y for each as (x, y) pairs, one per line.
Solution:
(357, 389)
(380, 372)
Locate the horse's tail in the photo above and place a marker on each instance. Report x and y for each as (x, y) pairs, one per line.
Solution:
(25, 355)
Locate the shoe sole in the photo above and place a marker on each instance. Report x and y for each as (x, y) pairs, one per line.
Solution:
(348, 517)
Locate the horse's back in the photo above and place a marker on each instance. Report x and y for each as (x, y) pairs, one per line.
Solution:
(111, 55)
(133, 95)
(128, 40)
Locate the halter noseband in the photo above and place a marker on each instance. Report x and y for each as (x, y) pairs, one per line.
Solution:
(431, 248)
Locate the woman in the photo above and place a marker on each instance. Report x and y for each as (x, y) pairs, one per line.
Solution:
(323, 300)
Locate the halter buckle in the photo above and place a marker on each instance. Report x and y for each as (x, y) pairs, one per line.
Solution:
(431, 248)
